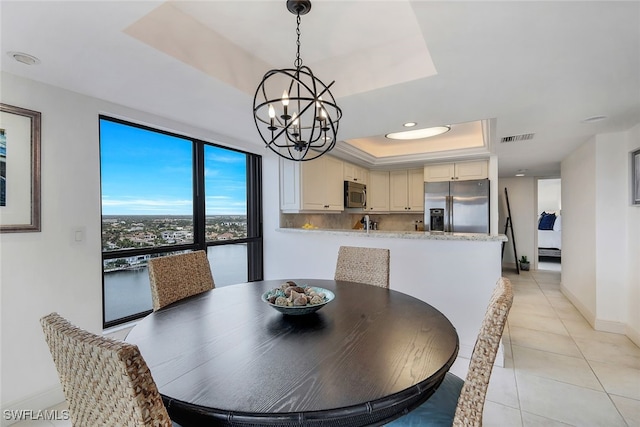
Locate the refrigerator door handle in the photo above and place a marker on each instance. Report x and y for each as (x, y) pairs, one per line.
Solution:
(450, 213)
(448, 216)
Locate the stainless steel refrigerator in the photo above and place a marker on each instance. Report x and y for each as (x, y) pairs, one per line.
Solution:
(457, 206)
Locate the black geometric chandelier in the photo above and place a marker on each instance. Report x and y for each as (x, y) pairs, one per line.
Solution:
(295, 113)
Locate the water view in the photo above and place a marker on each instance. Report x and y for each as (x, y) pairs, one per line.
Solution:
(127, 292)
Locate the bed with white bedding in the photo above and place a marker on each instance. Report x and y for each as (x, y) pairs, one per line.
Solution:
(550, 235)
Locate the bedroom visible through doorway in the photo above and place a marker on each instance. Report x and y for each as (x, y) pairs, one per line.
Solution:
(549, 230)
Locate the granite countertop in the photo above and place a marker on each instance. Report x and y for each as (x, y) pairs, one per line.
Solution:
(423, 235)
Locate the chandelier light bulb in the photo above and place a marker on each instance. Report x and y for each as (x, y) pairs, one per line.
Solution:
(272, 116)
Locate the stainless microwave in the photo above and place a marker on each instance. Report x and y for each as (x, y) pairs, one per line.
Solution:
(355, 195)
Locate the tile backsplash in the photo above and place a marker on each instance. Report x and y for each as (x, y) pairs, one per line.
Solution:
(348, 220)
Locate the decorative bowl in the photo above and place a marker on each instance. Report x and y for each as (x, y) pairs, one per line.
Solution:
(300, 310)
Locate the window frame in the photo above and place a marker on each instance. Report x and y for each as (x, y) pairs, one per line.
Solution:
(254, 239)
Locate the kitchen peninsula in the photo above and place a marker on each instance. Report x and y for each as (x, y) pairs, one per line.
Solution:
(454, 272)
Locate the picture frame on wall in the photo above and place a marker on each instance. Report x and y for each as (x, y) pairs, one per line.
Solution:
(635, 177)
(19, 169)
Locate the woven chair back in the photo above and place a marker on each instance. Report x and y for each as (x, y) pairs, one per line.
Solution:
(474, 391)
(364, 265)
(105, 382)
(175, 277)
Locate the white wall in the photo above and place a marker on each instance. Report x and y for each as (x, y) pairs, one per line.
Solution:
(456, 277)
(633, 252)
(522, 201)
(48, 271)
(612, 200)
(549, 195)
(578, 229)
(601, 233)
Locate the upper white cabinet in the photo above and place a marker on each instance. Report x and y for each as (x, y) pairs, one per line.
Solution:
(378, 191)
(355, 173)
(406, 190)
(316, 185)
(462, 171)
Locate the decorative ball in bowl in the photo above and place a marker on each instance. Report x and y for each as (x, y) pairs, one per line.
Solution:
(295, 300)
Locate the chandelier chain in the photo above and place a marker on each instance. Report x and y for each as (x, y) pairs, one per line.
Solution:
(298, 62)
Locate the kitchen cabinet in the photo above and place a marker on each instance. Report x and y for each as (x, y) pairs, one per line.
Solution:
(462, 171)
(378, 191)
(316, 185)
(406, 190)
(355, 173)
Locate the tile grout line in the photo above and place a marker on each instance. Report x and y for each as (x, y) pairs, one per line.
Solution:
(580, 349)
(522, 411)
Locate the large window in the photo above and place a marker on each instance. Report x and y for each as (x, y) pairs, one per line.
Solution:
(164, 193)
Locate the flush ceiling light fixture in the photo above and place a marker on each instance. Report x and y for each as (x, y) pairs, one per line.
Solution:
(419, 133)
(294, 111)
(594, 119)
(24, 58)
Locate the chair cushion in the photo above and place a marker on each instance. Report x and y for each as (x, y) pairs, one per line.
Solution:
(439, 409)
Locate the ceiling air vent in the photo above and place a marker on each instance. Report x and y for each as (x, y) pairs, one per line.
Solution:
(516, 138)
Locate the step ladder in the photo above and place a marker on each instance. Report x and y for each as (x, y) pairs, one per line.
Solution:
(509, 225)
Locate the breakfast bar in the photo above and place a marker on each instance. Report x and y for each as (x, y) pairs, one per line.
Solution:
(454, 272)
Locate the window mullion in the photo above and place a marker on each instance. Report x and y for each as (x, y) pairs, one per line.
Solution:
(199, 214)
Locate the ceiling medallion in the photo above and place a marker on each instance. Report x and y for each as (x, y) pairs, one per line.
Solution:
(294, 111)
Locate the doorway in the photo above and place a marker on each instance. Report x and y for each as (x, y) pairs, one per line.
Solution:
(549, 230)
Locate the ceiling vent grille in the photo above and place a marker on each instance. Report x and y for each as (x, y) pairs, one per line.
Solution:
(517, 138)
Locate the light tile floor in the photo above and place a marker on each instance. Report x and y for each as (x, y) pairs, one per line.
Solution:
(558, 371)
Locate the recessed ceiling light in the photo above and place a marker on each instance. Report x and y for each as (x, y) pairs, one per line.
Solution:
(419, 133)
(24, 58)
(519, 174)
(409, 124)
(594, 119)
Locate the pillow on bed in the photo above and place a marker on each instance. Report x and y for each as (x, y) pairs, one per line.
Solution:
(546, 221)
(557, 225)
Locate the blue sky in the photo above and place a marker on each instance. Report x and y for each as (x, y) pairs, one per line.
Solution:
(149, 173)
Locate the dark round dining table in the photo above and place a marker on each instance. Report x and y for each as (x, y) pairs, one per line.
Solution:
(225, 357)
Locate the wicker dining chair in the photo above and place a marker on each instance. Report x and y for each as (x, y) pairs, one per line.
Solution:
(460, 403)
(364, 265)
(175, 277)
(105, 382)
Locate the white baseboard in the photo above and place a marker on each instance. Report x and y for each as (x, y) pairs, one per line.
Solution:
(610, 326)
(633, 335)
(602, 325)
(37, 402)
(591, 317)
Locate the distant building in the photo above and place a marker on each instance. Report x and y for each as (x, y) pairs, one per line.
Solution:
(177, 235)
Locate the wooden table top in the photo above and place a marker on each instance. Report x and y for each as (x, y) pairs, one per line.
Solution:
(225, 357)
